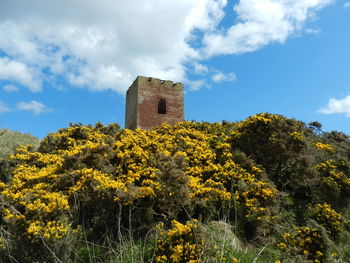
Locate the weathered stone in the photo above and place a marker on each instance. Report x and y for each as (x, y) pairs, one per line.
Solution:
(151, 102)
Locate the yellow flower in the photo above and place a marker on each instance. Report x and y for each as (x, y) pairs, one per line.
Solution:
(287, 235)
(325, 147)
(282, 245)
(319, 254)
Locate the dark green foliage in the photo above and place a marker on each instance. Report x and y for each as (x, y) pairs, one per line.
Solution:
(271, 140)
(309, 168)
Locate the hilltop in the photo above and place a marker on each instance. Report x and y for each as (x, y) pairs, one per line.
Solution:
(266, 189)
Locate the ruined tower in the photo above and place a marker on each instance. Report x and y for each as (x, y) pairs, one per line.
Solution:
(151, 102)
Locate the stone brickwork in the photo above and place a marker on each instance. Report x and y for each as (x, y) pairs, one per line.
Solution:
(151, 102)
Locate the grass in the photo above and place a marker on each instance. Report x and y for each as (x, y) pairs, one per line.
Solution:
(10, 140)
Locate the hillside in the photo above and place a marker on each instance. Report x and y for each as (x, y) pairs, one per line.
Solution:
(266, 189)
(9, 140)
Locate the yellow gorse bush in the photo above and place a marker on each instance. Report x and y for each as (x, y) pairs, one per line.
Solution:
(306, 241)
(80, 164)
(328, 217)
(179, 244)
(50, 229)
(333, 176)
(100, 184)
(324, 147)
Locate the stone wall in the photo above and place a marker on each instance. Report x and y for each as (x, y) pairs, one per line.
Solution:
(131, 106)
(147, 92)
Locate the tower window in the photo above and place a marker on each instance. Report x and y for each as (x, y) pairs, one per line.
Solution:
(161, 106)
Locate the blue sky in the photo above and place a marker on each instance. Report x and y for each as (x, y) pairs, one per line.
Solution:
(72, 61)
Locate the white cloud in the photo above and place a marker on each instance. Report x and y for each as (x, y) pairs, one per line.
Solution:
(200, 69)
(195, 85)
(221, 77)
(3, 107)
(105, 44)
(106, 49)
(347, 5)
(337, 106)
(10, 88)
(19, 72)
(261, 22)
(33, 106)
(312, 31)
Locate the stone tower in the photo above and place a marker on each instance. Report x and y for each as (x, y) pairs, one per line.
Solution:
(151, 102)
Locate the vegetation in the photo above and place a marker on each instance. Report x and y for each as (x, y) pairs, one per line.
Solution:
(267, 189)
(10, 140)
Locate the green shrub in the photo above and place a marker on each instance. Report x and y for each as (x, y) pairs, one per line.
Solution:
(96, 193)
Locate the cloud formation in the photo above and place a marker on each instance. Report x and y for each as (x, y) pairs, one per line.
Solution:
(200, 69)
(221, 77)
(19, 72)
(312, 31)
(10, 88)
(3, 107)
(261, 22)
(337, 106)
(33, 106)
(347, 5)
(105, 44)
(195, 85)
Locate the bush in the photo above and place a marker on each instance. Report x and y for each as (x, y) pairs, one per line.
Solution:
(87, 188)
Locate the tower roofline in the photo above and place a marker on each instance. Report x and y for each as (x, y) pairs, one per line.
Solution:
(157, 80)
